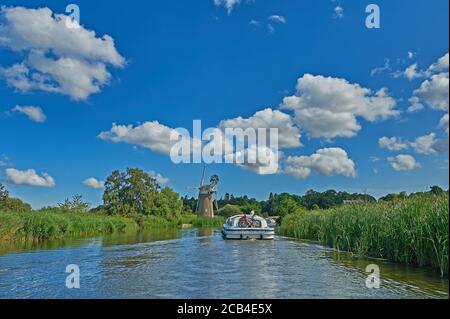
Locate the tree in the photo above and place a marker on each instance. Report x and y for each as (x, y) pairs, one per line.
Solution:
(230, 210)
(436, 190)
(129, 193)
(74, 205)
(135, 192)
(3, 193)
(14, 205)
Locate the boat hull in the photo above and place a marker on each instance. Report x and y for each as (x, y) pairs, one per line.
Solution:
(248, 233)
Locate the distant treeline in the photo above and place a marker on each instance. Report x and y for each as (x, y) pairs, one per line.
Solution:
(135, 193)
(285, 203)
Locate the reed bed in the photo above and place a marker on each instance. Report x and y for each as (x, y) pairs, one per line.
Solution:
(38, 226)
(202, 221)
(410, 231)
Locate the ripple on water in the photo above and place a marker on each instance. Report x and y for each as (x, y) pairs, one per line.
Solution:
(192, 264)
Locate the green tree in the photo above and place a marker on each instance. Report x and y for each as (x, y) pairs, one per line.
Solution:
(3, 193)
(14, 205)
(135, 192)
(436, 190)
(230, 210)
(75, 205)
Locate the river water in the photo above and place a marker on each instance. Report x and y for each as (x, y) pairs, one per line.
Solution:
(198, 263)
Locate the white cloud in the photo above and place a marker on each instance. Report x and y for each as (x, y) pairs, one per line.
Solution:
(277, 18)
(392, 143)
(430, 144)
(326, 161)
(254, 23)
(433, 92)
(288, 133)
(34, 113)
(152, 135)
(416, 104)
(94, 183)
(411, 55)
(259, 159)
(338, 11)
(441, 65)
(161, 180)
(425, 144)
(379, 70)
(403, 162)
(444, 123)
(412, 73)
(329, 107)
(228, 4)
(58, 59)
(29, 177)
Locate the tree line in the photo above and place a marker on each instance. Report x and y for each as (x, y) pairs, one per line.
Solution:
(285, 203)
(135, 193)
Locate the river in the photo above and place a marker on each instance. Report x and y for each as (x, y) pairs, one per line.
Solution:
(198, 263)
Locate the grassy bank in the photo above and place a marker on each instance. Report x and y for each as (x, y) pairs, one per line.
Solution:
(53, 225)
(411, 231)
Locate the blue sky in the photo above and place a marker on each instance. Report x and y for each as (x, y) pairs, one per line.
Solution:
(185, 60)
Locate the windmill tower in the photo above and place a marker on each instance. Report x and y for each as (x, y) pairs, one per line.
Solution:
(206, 196)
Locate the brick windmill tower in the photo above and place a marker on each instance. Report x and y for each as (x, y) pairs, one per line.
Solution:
(206, 197)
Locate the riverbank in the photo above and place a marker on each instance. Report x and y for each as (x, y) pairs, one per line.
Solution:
(38, 226)
(412, 231)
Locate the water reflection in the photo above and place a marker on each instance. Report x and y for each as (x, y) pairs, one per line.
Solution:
(198, 263)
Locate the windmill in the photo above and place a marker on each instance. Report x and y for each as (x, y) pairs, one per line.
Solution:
(206, 196)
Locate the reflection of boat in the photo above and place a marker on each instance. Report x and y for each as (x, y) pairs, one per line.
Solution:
(247, 227)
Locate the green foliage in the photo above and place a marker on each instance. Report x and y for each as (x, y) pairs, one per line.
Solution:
(410, 230)
(135, 192)
(14, 205)
(3, 193)
(195, 221)
(9, 204)
(51, 225)
(74, 205)
(230, 210)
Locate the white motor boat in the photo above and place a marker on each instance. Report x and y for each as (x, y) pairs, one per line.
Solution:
(247, 227)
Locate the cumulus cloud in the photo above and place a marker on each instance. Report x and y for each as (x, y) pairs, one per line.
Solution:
(329, 107)
(58, 59)
(430, 144)
(92, 182)
(392, 143)
(151, 135)
(29, 177)
(326, 161)
(434, 91)
(412, 72)
(288, 133)
(34, 113)
(228, 4)
(425, 144)
(161, 180)
(441, 65)
(403, 162)
(260, 159)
